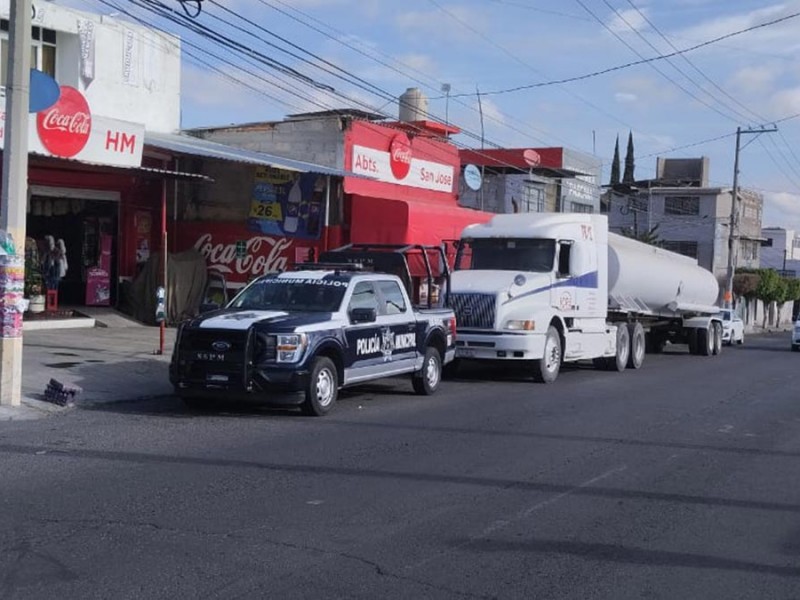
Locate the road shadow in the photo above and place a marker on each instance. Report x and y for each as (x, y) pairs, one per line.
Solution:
(617, 553)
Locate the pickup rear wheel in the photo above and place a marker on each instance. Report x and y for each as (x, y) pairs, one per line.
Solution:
(322, 389)
(546, 368)
(426, 381)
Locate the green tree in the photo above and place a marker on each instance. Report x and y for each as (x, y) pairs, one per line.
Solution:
(745, 284)
(628, 177)
(771, 288)
(614, 180)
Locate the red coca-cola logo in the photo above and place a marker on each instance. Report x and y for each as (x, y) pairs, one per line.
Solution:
(263, 254)
(64, 128)
(400, 155)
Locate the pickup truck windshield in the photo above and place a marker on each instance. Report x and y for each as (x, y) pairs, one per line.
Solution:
(506, 254)
(300, 295)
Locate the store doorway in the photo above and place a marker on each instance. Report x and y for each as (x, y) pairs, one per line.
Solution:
(88, 228)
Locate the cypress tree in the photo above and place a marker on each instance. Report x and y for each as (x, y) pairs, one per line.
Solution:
(615, 166)
(628, 177)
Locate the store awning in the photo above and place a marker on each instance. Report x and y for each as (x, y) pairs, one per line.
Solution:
(382, 221)
(46, 159)
(193, 146)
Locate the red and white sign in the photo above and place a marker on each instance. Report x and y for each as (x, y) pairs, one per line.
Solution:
(400, 156)
(424, 174)
(68, 129)
(532, 157)
(64, 128)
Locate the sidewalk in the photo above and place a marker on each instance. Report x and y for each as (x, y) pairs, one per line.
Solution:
(109, 364)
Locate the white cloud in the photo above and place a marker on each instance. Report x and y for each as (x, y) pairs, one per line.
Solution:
(629, 20)
(625, 98)
(786, 102)
(781, 209)
(755, 78)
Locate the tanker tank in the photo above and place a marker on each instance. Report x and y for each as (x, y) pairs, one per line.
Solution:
(664, 281)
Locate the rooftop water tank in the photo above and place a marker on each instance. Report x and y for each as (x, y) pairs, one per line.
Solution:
(413, 105)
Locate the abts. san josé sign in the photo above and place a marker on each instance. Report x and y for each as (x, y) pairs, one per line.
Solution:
(399, 165)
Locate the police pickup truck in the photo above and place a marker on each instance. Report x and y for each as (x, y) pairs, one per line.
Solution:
(296, 338)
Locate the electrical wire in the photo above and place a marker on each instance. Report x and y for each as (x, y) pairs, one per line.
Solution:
(651, 65)
(634, 63)
(689, 62)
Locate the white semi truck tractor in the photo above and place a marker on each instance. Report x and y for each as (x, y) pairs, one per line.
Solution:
(554, 288)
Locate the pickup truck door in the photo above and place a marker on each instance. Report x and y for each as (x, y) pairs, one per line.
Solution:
(379, 349)
(399, 324)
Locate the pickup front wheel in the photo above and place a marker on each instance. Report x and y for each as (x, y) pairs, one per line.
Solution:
(426, 381)
(323, 388)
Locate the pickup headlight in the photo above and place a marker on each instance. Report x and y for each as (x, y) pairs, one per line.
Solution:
(291, 347)
(515, 325)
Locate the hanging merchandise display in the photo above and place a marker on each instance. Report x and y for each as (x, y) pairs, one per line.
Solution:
(12, 302)
(286, 204)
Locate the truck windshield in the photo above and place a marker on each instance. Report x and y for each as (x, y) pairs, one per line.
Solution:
(506, 254)
(300, 295)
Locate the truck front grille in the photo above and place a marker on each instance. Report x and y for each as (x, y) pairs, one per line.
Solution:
(474, 310)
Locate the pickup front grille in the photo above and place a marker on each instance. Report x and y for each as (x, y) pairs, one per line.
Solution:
(474, 310)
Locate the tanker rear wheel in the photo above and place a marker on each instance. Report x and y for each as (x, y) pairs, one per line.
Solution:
(620, 360)
(717, 332)
(638, 343)
(705, 341)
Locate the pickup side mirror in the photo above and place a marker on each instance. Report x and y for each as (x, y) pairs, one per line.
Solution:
(363, 315)
(209, 307)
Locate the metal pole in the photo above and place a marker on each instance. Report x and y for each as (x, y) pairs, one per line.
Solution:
(483, 166)
(164, 257)
(733, 222)
(733, 234)
(326, 222)
(13, 201)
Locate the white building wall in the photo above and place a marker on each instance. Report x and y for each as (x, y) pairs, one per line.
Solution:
(151, 92)
(783, 245)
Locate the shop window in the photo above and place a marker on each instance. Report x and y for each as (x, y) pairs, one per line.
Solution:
(43, 50)
(532, 198)
(579, 207)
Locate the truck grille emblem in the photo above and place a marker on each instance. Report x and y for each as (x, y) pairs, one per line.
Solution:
(221, 346)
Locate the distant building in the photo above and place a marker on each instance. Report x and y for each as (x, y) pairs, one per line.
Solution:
(688, 216)
(532, 180)
(780, 250)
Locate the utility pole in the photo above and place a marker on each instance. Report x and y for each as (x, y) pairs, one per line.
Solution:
(733, 234)
(14, 198)
(483, 159)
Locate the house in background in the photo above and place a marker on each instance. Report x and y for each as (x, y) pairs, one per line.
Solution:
(689, 216)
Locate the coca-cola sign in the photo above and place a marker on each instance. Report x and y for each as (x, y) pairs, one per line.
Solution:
(400, 155)
(263, 254)
(64, 128)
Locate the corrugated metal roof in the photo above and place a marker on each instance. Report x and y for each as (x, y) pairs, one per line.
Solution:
(186, 144)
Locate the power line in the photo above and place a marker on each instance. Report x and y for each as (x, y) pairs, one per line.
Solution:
(688, 61)
(638, 62)
(651, 65)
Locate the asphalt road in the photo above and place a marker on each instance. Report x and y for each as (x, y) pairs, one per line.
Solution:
(680, 480)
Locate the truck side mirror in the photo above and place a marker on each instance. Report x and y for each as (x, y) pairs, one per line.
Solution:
(363, 315)
(564, 252)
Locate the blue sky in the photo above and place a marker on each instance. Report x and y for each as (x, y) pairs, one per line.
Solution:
(748, 80)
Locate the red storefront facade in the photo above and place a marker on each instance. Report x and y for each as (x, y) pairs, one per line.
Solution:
(412, 194)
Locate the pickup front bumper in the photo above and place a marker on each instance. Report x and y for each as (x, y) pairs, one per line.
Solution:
(270, 385)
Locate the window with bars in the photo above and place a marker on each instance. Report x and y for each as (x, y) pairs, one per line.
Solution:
(43, 50)
(686, 248)
(532, 198)
(682, 205)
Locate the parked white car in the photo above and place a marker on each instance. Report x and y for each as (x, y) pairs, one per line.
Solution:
(733, 327)
(796, 337)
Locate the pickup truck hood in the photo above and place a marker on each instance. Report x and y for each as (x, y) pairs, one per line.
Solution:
(243, 319)
(497, 282)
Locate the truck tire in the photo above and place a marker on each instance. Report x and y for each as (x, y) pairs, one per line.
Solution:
(546, 368)
(636, 355)
(620, 360)
(322, 389)
(717, 331)
(705, 341)
(426, 381)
